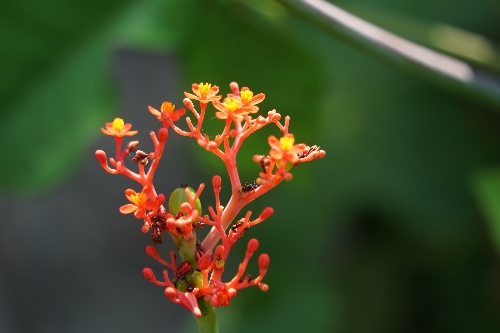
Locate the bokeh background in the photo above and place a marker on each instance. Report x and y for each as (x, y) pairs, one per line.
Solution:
(397, 229)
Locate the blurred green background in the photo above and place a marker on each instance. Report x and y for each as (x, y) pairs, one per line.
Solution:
(397, 229)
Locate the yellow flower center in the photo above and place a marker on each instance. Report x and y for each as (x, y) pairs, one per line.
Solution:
(139, 199)
(246, 96)
(118, 124)
(204, 89)
(167, 107)
(286, 142)
(231, 104)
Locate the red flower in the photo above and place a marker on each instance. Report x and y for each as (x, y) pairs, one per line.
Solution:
(118, 128)
(284, 148)
(232, 108)
(139, 203)
(204, 93)
(167, 112)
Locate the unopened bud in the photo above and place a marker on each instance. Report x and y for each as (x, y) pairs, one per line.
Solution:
(253, 245)
(263, 261)
(151, 251)
(212, 145)
(234, 88)
(263, 286)
(171, 294)
(160, 198)
(205, 260)
(266, 213)
(148, 274)
(162, 134)
(100, 155)
(188, 103)
(216, 183)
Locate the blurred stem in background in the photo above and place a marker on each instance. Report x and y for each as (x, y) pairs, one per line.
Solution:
(456, 76)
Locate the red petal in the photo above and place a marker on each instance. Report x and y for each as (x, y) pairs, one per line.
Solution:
(128, 208)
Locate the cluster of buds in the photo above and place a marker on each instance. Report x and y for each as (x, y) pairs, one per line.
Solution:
(198, 278)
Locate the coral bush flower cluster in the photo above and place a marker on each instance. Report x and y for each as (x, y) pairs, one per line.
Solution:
(196, 281)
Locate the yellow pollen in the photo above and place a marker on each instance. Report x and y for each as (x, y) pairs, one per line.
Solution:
(118, 124)
(231, 104)
(286, 142)
(246, 96)
(167, 107)
(139, 199)
(204, 88)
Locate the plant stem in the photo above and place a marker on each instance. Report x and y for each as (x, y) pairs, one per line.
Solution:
(454, 75)
(207, 323)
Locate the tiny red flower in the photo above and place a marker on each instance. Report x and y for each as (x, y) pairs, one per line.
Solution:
(204, 93)
(284, 148)
(232, 108)
(118, 128)
(167, 112)
(139, 203)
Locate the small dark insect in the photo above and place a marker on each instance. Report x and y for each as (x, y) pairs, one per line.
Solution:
(307, 153)
(238, 225)
(248, 187)
(184, 185)
(158, 223)
(246, 277)
(183, 269)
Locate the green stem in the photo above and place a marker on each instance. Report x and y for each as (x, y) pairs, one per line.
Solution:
(207, 323)
(456, 76)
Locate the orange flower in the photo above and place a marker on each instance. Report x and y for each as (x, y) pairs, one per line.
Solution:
(284, 148)
(249, 100)
(139, 203)
(118, 128)
(232, 108)
(167, 112)
(204, 93)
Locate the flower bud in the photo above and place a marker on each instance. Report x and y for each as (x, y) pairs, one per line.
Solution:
(205, 260)
(162, 134)
(178, 197)
(263, 286)
(100, 155)
(160, 198)
(253, 245)
(264, 261)
(148, 274)
(266, 213)
(188, 103)
(171, 294)
(234, 88)
(216, 183)
(151, 251)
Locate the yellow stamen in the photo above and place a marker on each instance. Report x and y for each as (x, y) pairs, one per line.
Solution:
(246, 96)
(231, 104)
(204, 88)
(138, 199)
(118, 124)
(167, 107)
(286, 142)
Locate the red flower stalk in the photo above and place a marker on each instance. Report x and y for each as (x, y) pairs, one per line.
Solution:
(199, 277)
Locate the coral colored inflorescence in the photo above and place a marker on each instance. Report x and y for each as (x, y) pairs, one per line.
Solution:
(199, 276)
